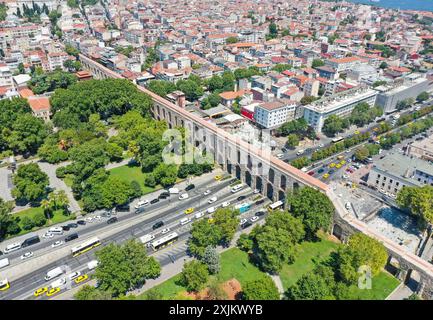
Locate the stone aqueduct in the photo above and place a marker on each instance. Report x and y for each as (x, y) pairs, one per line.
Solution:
(273, 177)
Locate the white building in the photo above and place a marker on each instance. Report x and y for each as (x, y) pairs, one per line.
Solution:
(56, 60)
(340, 104)
(5, 76)
(271, 115)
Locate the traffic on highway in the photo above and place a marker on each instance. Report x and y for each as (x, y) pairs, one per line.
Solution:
(160, 227)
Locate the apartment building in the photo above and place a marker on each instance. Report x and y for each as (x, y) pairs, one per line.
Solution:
(56, 60)
(422, 149)
(340, 104)
(6, 79)
(271, 115)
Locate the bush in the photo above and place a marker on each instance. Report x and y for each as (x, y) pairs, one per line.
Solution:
(27, 223)
(60, 172)
(39, 220)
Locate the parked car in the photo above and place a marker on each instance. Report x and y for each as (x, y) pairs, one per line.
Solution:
(141, 203)
(81, 222)
(73, 225)
(139, 210)
(27, 255)
(247, 224)
(190, 187)
(212, 200)
(260, 213)
(258, 202)
(166, 230)
(153, 201)
(65, 228)
(243, 221)
(254, 219)
(240, 198)
(57, 243)
(112, 220)
(183, 196)
(207, 192)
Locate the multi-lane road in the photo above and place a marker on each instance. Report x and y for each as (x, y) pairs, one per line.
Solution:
(24, 286)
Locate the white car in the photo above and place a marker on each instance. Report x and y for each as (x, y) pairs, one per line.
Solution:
(185, 221)
(207, 192)
(74, 275)
(256, 191)
(243, 221)
(254, 219)
(321, 145)
(212, 200)
(183, 196)
(225, 204)
(141, 204)
(27, 255)
(280, 155)
(198, 215)
(211, 210)
(48, 235)
(166, 230)
(89, 219)
(98, 218)
(56, 244)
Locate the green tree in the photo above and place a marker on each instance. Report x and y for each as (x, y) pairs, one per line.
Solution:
(27, 223)
(362, 153)
(314, 285)
(124, 267)
(226, 222)
(203, 234)
(360, 251)
(230, 40)
(27, 134)
(212, 260)
(192, 90)
(423, 96)
(8, 223)
(317, 63)
(313, 207)
(30, 183)
(334, 124)
(261, 289)
(215, 291)
(308, 99)
(292, 140)
(91, 293)
(47, 82)
(419, 200)
(153, 294)
(194, 275)
(39, 220)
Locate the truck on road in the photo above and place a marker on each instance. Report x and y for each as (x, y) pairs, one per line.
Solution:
(92, 264)
(53, 273)
(4, 262)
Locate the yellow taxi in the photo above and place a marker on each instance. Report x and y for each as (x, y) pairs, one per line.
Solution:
(189, 210)
(326, 176)
(376, 129)
(210, 220)
(81, 278)
(332, 165)
(343, 162)
(338, 166)
(53, 291)
(40, 291)
(357, 132)
(4, 285)
(218, 177)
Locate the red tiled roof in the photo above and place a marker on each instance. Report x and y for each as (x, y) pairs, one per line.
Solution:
(39, 103)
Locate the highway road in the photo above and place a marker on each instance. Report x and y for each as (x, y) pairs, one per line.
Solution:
(92, 228)
(26, 285)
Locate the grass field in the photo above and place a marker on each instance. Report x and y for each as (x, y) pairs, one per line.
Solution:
(382, 285)
(309, 252)
(131, 173)
(234, 264)
(58, 217)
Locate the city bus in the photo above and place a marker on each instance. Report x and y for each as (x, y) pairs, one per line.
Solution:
(164, 241)
(147, 238)
(85, 246)
(4, 285)
(337, 139)
(275, 205)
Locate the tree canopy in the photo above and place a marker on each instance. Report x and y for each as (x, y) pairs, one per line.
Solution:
(419, 200)
(30, 183)
(124, 267)
(194, 275)
(261, 289)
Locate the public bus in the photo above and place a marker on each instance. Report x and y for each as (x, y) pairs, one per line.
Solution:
(85, 246)
(164, 241)
(147, 238)
(337, 139)
(275, 205)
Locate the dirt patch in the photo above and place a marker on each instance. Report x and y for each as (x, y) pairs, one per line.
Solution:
(232, 288)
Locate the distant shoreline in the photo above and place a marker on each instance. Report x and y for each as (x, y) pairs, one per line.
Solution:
(412, 5)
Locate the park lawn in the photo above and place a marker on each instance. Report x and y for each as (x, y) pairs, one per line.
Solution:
(309, 253)
(68, 179)
(131, 173)
(382, 286)
(235, 264)
(58, 217)
(169, 289)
